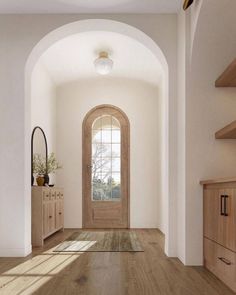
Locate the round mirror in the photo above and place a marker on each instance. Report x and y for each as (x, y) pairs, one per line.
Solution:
(39, 150)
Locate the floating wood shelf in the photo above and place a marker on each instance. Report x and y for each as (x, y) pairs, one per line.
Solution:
(228, 78)
(228, 132)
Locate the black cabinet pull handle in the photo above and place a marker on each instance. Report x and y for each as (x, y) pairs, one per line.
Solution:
(221, 205)
(225, 205)
(50, 216)
(226, 261)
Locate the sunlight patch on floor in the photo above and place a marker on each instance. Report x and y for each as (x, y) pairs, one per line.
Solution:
(30, 275)
(71, 246)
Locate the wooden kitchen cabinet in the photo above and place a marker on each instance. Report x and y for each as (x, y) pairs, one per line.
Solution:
(219, 211)
(220, 215)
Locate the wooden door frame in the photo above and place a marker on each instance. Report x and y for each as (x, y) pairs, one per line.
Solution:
(84, 163)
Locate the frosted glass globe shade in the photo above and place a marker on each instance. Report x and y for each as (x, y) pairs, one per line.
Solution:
(103, 65)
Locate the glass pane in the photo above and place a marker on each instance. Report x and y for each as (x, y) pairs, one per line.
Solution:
(107, 194)
(96, 169)
(106, 122)
(115, 136)
(96, 148)
(97, 136)
(96, 194)
(116, 193)
(97, 124)
(115, 150)
(105, 176)
(116, 189)
(102, 188)
(115, 164)
(106, 136)
(101, 151)
(97, 189)
(115, 123)
(116, 177)
(106, 165)
(106, 150)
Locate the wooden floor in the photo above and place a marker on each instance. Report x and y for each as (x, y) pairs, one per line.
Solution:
(105, 273)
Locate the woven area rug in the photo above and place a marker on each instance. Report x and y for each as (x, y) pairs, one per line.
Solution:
(101, 241)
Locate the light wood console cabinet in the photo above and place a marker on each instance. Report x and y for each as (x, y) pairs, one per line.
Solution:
(47, 213)
(220, 229)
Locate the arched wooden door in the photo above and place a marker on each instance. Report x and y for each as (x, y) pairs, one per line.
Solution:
(106, 168)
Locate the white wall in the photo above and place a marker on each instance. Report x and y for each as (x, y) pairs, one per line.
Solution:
(205, 49)
(140, 102)
(43, 106)
(208, 109)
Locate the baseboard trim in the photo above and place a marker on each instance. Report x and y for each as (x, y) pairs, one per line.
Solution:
(16, 252)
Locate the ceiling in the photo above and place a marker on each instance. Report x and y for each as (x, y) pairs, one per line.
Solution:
(72, 58)
(90, 6)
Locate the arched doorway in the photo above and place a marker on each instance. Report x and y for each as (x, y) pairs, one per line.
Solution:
(106, 168)
(132, 32)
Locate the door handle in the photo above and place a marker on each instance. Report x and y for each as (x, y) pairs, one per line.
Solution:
(226, 261)
(222, 204)
(225, 205)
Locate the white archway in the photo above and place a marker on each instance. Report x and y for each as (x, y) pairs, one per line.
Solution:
(134, 33)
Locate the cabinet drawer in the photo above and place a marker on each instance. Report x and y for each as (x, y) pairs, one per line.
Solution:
(221, 262)
(59, 195)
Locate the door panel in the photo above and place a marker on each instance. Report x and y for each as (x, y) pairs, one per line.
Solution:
(59, 214)
(221, 262)
(213, 220)
(51, 216)
(106, 169)
(105, 214)
(218, 226)
(45, 219)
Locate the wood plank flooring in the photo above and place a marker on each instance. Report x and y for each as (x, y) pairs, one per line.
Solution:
(105, 273)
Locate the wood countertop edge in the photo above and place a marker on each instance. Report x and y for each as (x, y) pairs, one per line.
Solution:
(218, 180)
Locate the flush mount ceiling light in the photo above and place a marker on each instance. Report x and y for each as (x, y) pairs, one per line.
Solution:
(103, 64)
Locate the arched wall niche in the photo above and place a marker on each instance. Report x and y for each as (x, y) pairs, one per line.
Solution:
(136, 34)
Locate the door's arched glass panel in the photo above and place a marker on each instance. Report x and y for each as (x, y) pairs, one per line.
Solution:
(106, 159)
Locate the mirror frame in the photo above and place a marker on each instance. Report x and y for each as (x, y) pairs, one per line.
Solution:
(32, 150)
